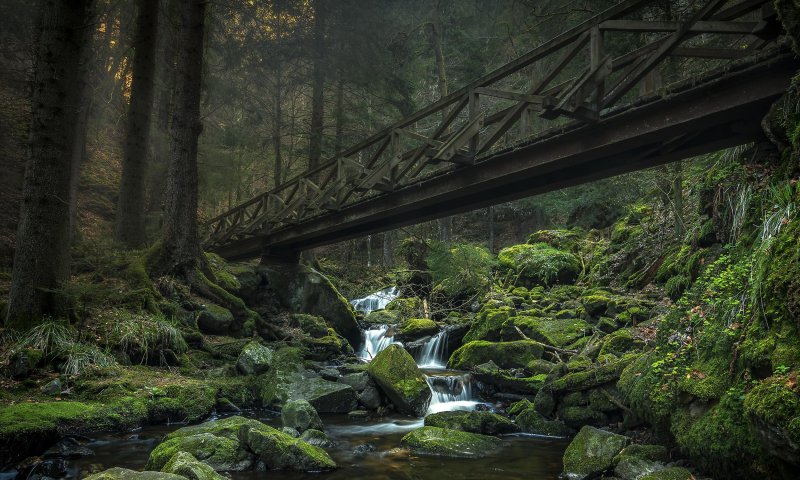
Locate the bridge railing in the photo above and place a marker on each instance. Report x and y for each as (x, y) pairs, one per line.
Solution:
(630, 51)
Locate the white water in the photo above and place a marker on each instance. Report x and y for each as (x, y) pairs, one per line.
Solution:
(375, 301)
(373, 341)
(432, 353)
(451, 392)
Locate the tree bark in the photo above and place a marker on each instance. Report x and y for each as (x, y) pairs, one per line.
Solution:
(41, 259)
(318, 86)
(388, 249)
(129, 227)
(180, 244)
(445, 224)
(339, 135)
(276, 124)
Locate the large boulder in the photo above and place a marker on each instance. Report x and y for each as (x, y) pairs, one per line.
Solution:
(442, 442)
(300, 415)
(396, 373)
(238, 444)
(415, 329)
(185, 465)
(485, 423)
(254, 359)
(215, 320)
(516, 354)
(592, 452)
(118, 473)
(303, 289)
(539, 264)
(531, 421)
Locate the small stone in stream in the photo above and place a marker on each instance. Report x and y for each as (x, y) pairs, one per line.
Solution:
(300, 415)
(118, 473)
(329, 374)
(291, 432)
(363, 449)
(443, 442)
(358, 415)
(52, 387)
(317, 438)
(482, 407)
(67, 447)
(370, 397)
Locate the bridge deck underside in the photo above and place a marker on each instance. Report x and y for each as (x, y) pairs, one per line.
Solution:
(722, 112)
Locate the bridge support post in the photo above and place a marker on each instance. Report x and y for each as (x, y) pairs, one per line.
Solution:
(280, 256)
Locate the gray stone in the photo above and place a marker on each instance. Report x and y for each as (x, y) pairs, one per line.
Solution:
(53, 387)
(591, 453)
(318, 438)
(370, 397)
(254, 359)
(300, 415)
(358, 380)
(118, 473)
(292, 432)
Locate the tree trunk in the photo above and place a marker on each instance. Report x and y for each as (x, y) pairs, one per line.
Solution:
(129, 227)
(388, 249)
(490, 220)
(41, 259)
(317, 98)
(445, 224)
(276, 126)
(338, 138)
(180, 245)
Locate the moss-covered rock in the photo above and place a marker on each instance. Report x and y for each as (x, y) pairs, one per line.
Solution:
(774, 409)
(555, 332)
(671, 473)
(277, 450)
(222, 453)
(313, 325)
(118, 473)
(531, 421)
(486, 423)
(592, 377)
(382, 317)
(435, 441)
(489, 323)
(539, 264)
(566, 240)
(395, 372)
(505, 354)
(416, 328)
(185, 465)
(317, 438)
(405, 307)
(617, 343)
(300, 415)
(215, 320)
(302, 289)
(591, 453)
(254, 359)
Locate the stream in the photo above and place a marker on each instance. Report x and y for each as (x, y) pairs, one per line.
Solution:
(524, 456)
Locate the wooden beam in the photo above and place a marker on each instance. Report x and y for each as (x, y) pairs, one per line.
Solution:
(520, 97)
(703, 26)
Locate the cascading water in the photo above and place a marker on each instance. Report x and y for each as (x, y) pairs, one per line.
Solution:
(375, 301)
(432, 353)
(451, 392)
(373, 341)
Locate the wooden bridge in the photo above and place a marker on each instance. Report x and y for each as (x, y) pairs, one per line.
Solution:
(609, 96)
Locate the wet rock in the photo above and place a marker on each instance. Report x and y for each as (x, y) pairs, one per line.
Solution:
(382, 317)
(363, 449)
(672, 473)
(591, 453)
(330, 374)
(276, 450)
(486, 423)
(23, 362)
(396, 373)
(226, 406)
(358, 415)
(505, 354)
(370, 397)
(185, 465)
(291, 432)
(324, 396)
(441, 442)
(317, 438)
(415, 329)
(357, 380)
(254, 359)
(303, 289)
(67, 448)
(531, 421)
(53, 387)
(118, 473)
(300, 415)
(634, 468)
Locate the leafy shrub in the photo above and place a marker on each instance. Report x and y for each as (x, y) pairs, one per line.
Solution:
(539, 264)
(460, 269)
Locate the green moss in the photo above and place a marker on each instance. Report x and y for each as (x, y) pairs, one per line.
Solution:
(517, 354)
(488, 324)
(567, 240)
(396, 373)
(185, 465)
(592, 377)
(719, 440)
(382, 317)
(442, 442)
(406, 307)
(555, 332)
(592, 452)
(539, 264)
(646, 391)
(23, 419)
(617, 343)
(775, 403)
(310, 324)
(671, 473)
(416, 328)
(531, 421)
(486, 423)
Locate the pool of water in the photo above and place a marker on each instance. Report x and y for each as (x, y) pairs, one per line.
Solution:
(524, 456)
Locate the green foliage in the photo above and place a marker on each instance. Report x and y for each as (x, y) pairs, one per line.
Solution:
(461, 269)
(539, 264)
(140, 335)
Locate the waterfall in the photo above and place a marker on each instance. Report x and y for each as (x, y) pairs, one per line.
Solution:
(373, 341)
(451, 392)
(432, 353)
(375, 301)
